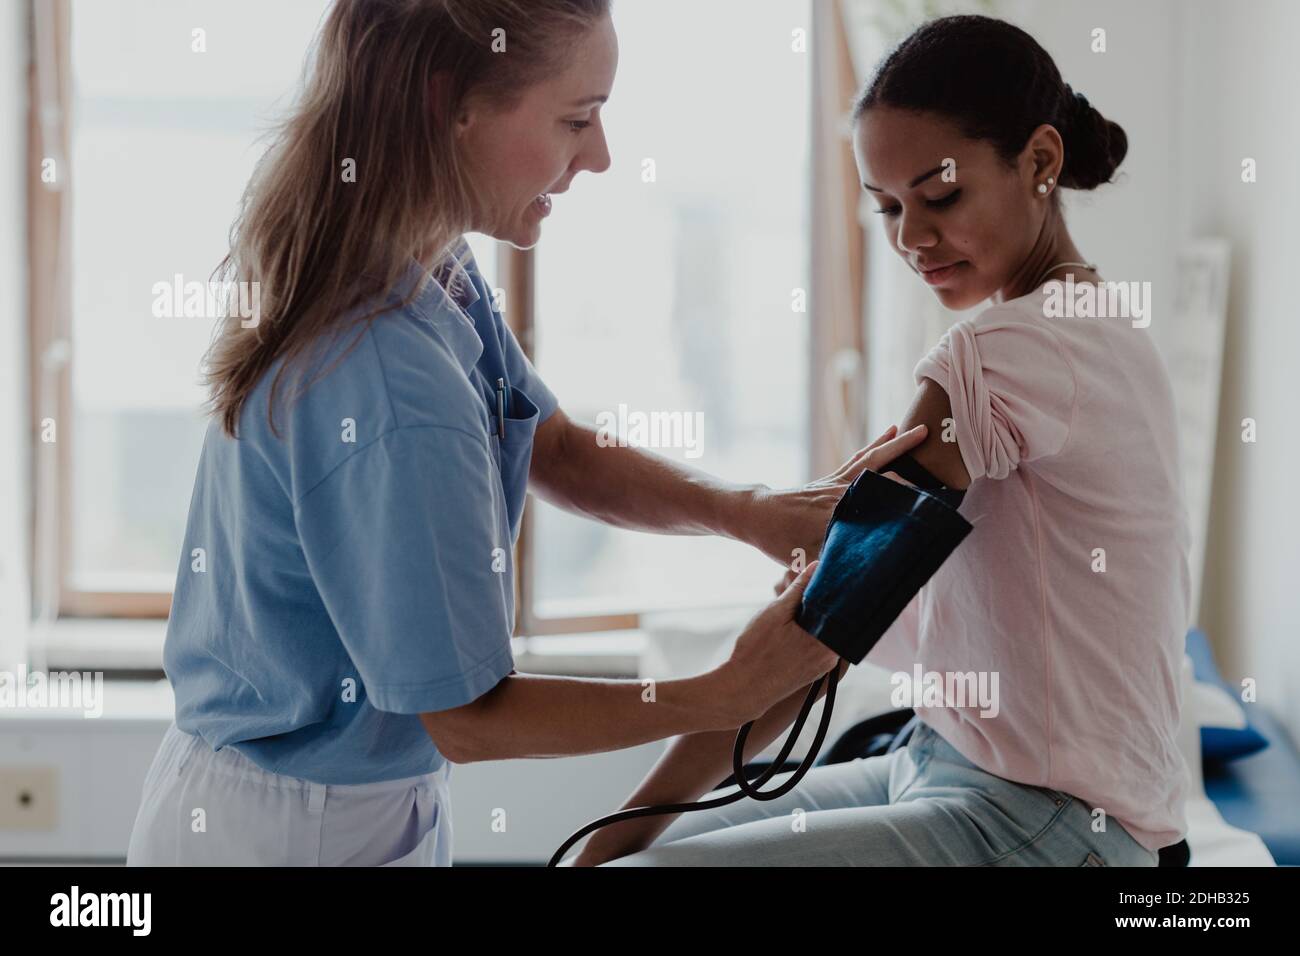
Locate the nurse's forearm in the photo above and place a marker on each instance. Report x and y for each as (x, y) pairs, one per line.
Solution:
(534, 715)
(632, 487)
(690, 767)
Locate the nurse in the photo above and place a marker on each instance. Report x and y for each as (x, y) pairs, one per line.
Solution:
(340, 631)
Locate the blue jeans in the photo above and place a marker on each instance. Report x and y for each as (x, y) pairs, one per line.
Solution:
(922, 805)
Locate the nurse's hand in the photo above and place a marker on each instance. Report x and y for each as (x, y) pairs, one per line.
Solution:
(789, 524)
(774, 656)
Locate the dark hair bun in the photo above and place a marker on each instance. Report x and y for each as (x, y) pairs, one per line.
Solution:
(998, 84)
(1094, 145)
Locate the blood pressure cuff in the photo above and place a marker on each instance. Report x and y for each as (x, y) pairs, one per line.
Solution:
(884, 541)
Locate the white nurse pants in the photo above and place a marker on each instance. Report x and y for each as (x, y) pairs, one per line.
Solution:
(206, 808)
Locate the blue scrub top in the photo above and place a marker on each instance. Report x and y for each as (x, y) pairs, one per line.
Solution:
(357, 570)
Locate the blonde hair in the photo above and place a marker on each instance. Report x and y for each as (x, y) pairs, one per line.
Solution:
(383, 87)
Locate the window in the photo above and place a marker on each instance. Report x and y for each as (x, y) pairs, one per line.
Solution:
(671, 283)
(677, 294)
(163, 141)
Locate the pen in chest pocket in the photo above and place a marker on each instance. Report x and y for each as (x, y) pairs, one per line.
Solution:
(501, 408)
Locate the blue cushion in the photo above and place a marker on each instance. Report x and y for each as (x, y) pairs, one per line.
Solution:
(1221, 743)
(1260, 793)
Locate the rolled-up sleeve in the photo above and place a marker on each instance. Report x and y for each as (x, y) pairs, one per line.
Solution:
(1011, 388)
(401, 542)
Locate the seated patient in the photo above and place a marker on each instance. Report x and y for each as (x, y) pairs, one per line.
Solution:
(1072, 589)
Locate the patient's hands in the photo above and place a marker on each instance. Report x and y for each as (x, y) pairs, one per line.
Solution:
(796, 518)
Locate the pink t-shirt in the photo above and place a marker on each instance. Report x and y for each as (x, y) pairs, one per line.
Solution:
(1068, 430)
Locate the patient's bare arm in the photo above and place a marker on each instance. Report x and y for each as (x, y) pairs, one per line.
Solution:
(931, 407)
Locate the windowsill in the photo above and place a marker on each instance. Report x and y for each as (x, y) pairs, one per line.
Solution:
(598, 654)
(101, 644)
(135, 690)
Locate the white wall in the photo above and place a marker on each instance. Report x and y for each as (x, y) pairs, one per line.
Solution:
(1238, 75)
(1129, 227)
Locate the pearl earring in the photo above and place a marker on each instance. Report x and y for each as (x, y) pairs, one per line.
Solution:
(1042, 188)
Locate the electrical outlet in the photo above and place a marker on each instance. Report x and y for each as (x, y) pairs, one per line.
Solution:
(28, 798)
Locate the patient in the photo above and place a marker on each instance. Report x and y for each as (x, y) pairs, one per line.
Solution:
(1072, 590)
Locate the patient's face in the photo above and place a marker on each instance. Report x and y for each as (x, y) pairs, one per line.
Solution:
(977, 215)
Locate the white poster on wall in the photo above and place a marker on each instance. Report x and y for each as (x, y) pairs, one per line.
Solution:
(1195, 360)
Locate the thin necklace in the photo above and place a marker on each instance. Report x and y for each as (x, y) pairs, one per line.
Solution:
(1090, 266)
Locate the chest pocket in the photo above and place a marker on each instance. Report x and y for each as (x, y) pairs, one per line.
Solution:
(514, 453)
